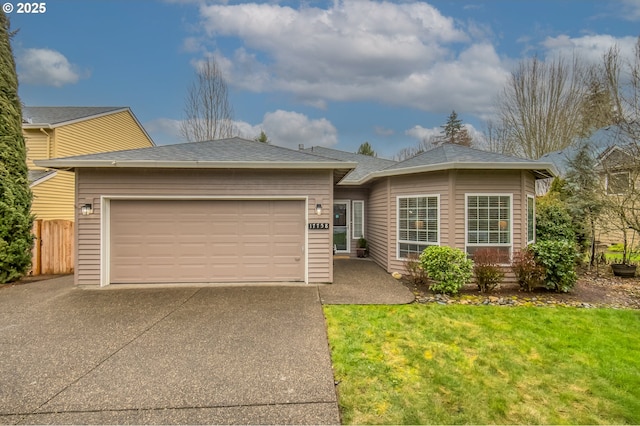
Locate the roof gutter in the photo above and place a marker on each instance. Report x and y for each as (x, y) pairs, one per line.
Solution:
(545, 169)
(70, 164)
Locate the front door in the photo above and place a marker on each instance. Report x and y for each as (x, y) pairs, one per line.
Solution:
(341, 226)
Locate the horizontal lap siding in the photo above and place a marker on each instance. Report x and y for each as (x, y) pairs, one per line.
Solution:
(377, 224)
(436, 183)
(111, 132)
(36, 143)
(93, 183)
(54, 198)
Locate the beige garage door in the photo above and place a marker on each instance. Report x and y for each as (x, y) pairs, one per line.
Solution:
(194, 241)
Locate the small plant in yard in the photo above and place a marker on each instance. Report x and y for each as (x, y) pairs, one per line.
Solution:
(558, 258)
(528, 273)
(416, 273)
(487, 269)
(447, 267)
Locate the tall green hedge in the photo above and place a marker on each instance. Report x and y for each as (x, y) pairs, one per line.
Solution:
(16, 220)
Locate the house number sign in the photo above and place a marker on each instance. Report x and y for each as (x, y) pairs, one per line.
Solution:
(319, 226)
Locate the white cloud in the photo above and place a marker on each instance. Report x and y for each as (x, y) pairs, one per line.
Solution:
(630, 10)
(164, 131)
(590, 47)
(405, 54)
(382, 131)
(422, 133)
(46, 67)
(289, 129)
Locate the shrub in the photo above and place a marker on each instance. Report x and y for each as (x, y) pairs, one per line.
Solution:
(416, 273)
(553, 220)
(528, 273)
(447, 267)
(558, 258)
(487, 269)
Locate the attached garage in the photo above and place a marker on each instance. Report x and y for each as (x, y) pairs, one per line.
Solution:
(222, 211)
(204, 241)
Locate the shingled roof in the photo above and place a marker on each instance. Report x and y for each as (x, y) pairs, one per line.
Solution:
(56, 115)
(366, 163)
(222, 153)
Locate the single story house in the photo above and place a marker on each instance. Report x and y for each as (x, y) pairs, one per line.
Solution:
(236, 210)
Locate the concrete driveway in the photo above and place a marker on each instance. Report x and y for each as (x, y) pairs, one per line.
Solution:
(232, 355)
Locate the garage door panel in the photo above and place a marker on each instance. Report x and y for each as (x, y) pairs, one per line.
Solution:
(207, 241)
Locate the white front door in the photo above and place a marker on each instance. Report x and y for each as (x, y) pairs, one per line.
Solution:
(341, 240)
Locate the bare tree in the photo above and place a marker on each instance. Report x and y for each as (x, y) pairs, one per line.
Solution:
(209, 115)
(540, 109)
(495, 136)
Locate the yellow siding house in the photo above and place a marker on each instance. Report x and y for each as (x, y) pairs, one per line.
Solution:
(53, 132)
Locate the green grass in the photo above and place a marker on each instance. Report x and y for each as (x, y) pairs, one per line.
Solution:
(426, 364)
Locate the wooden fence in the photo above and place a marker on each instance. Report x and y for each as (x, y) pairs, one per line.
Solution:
(52, 247)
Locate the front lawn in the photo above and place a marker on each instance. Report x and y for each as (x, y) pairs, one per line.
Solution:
(419, 364)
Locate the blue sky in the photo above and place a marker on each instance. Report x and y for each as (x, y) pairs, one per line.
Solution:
(330, 73)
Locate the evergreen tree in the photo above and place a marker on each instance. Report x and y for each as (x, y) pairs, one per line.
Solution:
(263, 137)
(16, 220)
(366, 149)
(453, 132)
(584, 197)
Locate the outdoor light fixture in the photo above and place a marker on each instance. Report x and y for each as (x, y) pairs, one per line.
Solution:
(86, 209)
(319, 209)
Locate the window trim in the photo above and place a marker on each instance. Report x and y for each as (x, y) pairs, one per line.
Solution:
(623, 172)
(531, 198)
(466, 221)
(398, 241)
(353, 219)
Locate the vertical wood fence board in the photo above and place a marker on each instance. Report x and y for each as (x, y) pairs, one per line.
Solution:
(53, 248)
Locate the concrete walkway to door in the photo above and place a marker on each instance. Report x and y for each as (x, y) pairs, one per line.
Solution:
(363, 282)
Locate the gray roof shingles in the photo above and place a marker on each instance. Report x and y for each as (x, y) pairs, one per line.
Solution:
(452, 153)
(237, 150)
(222, 150)
(51, 115)
(35, 175)
(366, 163)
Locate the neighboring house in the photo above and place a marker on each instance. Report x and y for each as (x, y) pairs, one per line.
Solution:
(236, 210)
(52, 132)
(615, 163)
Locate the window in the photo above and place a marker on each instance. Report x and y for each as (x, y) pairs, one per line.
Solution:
(531, 219)
(357, 219)
(489, 223)
(618, 183)
(418, 225)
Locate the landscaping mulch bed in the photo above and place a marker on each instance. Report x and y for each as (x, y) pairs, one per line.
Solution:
(591, 291)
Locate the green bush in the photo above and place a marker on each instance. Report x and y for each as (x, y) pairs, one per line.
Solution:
(558, 258)
(528, 273)
(487, 269)
(447, 267)
(553, 220)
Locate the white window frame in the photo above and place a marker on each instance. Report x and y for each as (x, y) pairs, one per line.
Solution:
(466, 222)
(531, 199)
(354, 203)
(399, 241)
(608, 175)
